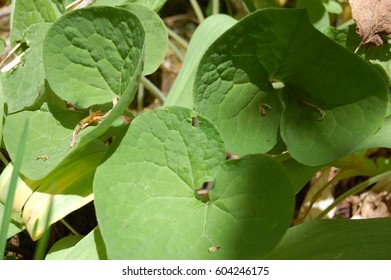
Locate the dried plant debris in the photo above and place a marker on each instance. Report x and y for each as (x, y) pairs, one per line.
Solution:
(373, 20)
(366, 205)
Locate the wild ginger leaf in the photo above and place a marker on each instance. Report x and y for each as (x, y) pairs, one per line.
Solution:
(24, 86)
(154, 210)
(91, 55)
(27, 13)
(156, 38)
(337, 239)
(324, 98)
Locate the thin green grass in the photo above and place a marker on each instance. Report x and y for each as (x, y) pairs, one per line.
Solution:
(41, 249)
(11, 191)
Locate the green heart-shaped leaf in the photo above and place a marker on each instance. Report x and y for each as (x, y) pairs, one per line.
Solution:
(181, 91)
(52, 127)
(25, 85)
(89, 54)
(328, 94)
(154, 5)
(90, 247)
(156, 38)
(27, 13)
(336, 240)
(154, 210)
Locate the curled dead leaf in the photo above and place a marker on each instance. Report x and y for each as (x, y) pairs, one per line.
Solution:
(373, 20)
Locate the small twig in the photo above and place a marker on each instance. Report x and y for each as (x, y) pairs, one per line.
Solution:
(14, 62)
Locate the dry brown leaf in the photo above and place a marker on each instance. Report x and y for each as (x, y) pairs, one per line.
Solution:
(373, 19)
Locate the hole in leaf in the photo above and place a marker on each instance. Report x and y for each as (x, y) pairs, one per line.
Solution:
(194, 121)
(277, 84)
(229, 156)
(213, 249)
(203, 191)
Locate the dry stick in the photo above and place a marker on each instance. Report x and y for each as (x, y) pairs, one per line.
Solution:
(14, 62)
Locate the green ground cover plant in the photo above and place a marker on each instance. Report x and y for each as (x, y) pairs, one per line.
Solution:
(282, 89)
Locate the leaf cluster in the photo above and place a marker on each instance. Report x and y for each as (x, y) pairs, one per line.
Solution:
(281, 89)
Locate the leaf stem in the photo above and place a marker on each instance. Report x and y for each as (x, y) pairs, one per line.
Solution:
(197, 10)
(355, 190)
(140, 97)
(177, 38)
(72, 229)
(344, 174)
(229, 8)
(3, 159)
(215, 7)
(250, 6)
(153, 89)
(178, 53)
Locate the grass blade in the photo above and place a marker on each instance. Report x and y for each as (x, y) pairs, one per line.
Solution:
(11, 191)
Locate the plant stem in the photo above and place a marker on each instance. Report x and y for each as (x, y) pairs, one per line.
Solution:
(69, 227)
(215, 7)
(40, 251)
(250, 6)
(3, 159)
(344, 174)
(197, 10)
(229, 8)
(177, 38)
(178, 53)
(140, 97)
(153, 89)
(355, 190)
